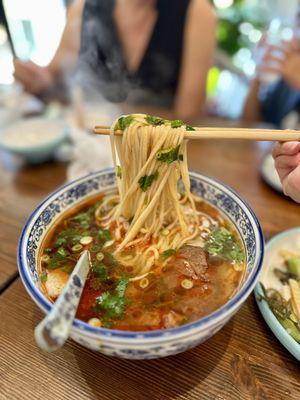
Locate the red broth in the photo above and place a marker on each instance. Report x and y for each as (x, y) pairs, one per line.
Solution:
(191, 285)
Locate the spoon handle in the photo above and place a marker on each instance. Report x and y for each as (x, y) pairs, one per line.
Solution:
(52, 332)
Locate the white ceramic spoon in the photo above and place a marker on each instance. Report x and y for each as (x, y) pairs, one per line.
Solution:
(53, 331)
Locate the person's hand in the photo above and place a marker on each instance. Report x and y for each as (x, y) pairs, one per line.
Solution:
(283, 60)
(35, 79)
(287, 163)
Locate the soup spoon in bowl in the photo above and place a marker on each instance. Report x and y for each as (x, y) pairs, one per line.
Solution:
(53, 331)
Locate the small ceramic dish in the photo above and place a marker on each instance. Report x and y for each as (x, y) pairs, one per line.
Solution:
(34, 139)
(285, 240)
(151, 344)
(269, 173)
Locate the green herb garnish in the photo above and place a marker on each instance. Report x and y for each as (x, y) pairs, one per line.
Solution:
(189, 128)
(155, 121)
(43, 277)
(59, 257)
(224, 244)
(146, 181)
(167, 253)
(70, 234)
(104, 235)
(168, 155)
(99, 270)
(95, 248)
(113, 304)
(177, 123)
(124, 122)
(119, 171)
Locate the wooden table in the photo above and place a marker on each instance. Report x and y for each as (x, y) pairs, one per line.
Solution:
(243, 361)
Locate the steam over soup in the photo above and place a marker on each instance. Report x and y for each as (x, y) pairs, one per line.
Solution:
(160, 256)
(182, 286)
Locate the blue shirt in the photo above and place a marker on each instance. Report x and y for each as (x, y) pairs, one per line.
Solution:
(279, 100)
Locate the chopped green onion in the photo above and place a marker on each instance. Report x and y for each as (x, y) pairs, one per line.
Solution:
(168, 253)
(86, 240)
(187, 284)
(99, 256)
(94, 248)
(43, 277)
(77, 247)
(144, 283)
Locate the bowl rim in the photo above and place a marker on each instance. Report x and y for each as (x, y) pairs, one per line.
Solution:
(209, 320)
(278, 330)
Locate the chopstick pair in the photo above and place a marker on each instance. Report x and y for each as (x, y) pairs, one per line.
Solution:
(227, 133)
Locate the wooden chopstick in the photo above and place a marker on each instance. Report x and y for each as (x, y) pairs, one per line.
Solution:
(227, 133)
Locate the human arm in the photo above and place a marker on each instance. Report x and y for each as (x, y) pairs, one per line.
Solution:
(197, 58)
(281, 97)
(36, 79)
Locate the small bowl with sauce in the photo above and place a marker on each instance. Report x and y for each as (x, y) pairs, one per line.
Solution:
(34, 139)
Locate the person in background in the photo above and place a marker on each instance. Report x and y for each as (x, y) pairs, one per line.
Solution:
(48, 82)
(287, 162)
(278, 100)
(155, 52)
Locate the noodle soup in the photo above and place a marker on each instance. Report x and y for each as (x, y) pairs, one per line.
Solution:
(182, 285)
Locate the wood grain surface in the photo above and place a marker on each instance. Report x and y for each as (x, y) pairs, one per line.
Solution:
(243, 361)
(20, 192)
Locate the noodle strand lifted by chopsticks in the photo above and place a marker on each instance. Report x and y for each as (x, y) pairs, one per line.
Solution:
(151, 214)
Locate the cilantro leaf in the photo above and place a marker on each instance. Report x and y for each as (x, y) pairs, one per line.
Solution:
(104, 235)
(155, 121)
(113, 304)
(176, 123)
(124, 122)
(224, 244)
(99, 270)
(146, 181)
(168, 155)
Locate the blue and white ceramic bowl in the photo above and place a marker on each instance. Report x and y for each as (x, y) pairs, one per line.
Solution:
(159, 343)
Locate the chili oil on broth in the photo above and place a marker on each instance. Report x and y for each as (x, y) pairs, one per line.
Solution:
(182, 286)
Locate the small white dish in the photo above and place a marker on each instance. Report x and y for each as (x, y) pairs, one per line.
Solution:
(288, 240)
(269, 173)
(34, 139)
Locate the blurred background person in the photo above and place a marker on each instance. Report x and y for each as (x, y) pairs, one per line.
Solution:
(155, 52)
(49, 82)
(282, 97)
